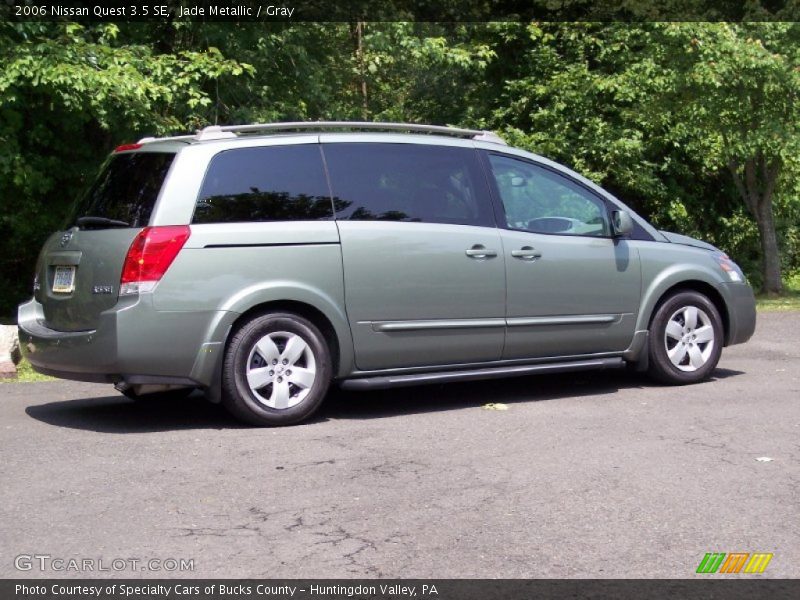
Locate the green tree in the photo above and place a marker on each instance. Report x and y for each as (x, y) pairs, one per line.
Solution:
(695, 124)
(686, 122)
(732, 90)
(68, 94)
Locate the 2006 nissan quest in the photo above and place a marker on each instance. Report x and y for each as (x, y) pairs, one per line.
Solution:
(262, 262)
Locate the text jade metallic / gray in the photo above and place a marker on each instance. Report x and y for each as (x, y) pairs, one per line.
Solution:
(262, 263)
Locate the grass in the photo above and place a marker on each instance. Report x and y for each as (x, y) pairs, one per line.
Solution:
(26, 374)
(788, 300)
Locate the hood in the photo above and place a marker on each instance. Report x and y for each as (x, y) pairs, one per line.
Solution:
(677, 238)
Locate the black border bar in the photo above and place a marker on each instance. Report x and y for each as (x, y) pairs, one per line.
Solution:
(399, 10)
(732, 588)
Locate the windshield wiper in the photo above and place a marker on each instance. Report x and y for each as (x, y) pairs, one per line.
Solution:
(100, 222)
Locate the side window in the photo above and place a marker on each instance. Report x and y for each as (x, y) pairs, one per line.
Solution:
(536, 199)
(273, 183)
(408, 182)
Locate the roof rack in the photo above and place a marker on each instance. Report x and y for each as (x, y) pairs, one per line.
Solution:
(215, 132)
(172, 138)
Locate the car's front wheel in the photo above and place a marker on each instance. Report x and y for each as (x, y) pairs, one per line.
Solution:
(686, 337)
(277, 370)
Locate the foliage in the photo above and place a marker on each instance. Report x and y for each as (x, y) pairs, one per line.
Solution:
(68, 94)
(694, 124)
(26, 374)
(666, 116)
(735, 91)
(790, 300)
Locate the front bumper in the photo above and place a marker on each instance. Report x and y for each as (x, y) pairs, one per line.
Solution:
(741, 305)
(132, 343)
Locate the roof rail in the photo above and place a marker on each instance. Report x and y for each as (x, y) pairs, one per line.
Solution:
(215, 132)
(173, 138)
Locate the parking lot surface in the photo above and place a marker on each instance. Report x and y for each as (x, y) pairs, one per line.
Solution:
(583, 475)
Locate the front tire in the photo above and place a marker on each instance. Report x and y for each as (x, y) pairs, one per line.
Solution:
(277, 370)
(686, 337)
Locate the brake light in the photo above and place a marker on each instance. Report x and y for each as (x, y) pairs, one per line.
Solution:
(150, 255)
(125, 147)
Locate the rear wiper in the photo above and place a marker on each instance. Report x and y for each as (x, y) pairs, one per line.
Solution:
(100, 222)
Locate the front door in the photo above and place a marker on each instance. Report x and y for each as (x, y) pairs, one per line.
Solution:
(573, 288)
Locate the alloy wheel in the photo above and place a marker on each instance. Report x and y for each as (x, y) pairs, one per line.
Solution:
(281, 369)
(689, 338)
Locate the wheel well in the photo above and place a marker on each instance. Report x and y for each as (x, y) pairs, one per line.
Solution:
(703, 288)
(299, 308)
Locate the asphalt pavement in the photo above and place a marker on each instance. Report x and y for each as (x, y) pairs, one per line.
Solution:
(583, 475)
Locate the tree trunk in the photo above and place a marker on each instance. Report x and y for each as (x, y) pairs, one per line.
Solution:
(770, 257)
(357, 31)
(757, 188)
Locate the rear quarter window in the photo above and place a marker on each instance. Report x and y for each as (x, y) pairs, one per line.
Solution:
(274, 183)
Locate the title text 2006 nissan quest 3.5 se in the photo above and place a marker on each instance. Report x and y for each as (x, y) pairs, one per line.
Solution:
(261, 263)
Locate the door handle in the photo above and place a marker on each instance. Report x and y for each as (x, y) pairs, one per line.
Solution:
(526, 253)
(480, 251)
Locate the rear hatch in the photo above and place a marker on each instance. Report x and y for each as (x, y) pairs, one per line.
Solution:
(79, 269)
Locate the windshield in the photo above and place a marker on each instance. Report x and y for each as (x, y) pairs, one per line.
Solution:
(125, 191)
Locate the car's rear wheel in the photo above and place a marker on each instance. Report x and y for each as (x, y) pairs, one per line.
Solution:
(686, 337)
(277, 370)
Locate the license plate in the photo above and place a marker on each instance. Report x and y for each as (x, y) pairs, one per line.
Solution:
(64, 280)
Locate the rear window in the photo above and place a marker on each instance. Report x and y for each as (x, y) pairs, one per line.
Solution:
(273, 183)
(127, 188)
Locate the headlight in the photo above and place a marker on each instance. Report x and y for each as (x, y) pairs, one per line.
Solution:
(731, 269)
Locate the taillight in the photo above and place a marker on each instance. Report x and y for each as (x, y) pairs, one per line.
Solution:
(150, 255)
(125, 147)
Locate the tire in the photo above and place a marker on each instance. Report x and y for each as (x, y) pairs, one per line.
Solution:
(277, 370)
(686, 337)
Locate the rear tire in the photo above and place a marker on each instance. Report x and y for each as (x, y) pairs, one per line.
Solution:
(277, 370)
(686, 337)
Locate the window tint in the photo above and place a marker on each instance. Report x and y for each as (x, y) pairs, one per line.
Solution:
(536, 199)
(408, 182)
(275, 183)
(126, 188)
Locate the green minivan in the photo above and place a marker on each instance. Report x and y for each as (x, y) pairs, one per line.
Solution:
(261, 263)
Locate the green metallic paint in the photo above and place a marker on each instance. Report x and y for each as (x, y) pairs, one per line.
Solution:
(97, 256)
(418, 272)
(665, 266)
(400, 297)
(575, 276)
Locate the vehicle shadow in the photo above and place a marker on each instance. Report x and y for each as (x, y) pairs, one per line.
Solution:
(116, 414)
(725, 373)
(342, 404)
(434, 398)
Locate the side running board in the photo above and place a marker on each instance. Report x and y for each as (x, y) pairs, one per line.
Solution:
(388, 381)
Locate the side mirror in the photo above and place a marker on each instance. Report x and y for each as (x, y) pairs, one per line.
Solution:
(621, 222)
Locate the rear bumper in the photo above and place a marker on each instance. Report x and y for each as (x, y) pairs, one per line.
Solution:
(741, 305)
(132, 343)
